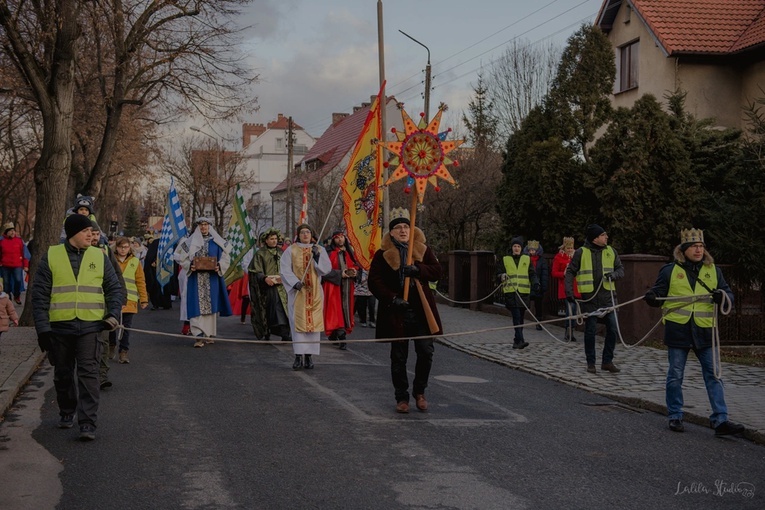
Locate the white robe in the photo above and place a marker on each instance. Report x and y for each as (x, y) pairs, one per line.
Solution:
(300, 339)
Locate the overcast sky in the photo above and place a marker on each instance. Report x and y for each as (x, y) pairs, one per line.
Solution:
(316, 57)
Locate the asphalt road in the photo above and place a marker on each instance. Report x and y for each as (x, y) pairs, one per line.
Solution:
(232, 426)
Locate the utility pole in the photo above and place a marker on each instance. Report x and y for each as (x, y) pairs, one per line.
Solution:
(290, 170)
(383, 108)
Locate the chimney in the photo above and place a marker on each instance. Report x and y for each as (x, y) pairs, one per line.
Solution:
(250, 131)
(337, 117)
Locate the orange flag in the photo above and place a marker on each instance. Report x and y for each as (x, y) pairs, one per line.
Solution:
(362, 194)
(304, 208)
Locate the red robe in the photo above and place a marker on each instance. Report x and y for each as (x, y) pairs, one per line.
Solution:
(338, 293)
(236, 291)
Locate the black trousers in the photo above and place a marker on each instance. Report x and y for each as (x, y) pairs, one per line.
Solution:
(78, 355)
(399, 355)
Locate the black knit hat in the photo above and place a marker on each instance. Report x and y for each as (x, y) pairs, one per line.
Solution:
(516, 240)
(593, 231)
(76, 223)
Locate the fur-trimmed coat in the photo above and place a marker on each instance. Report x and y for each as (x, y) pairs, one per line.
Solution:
(385, 284)
(688, 335)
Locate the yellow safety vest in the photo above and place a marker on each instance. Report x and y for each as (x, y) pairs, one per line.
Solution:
(518, 275)
(129, 276)
(83, 297)
(702, 311)
(584, 278)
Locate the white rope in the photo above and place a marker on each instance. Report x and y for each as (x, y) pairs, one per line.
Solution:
(469, 302)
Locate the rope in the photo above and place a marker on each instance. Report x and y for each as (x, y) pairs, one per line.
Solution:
(469, 302)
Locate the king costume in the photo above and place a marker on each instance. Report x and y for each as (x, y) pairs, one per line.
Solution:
(269, 302)
(206, 295)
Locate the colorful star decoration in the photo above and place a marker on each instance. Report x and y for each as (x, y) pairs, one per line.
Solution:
(421, 154)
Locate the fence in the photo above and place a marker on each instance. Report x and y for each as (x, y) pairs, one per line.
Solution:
(471, 276)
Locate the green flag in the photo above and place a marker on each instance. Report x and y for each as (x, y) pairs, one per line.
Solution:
(240, 237)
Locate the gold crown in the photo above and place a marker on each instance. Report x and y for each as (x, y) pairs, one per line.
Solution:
(568, 242)
(8, 226)
(694, 235)
(399, 212)
(534, 245)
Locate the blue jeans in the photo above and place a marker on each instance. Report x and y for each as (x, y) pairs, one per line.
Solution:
(13, 280)
(518, 314)
(677, 358)
(590, 326)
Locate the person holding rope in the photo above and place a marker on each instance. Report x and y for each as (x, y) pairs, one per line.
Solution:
(688, 324)
(519, 280)
(595, 266)
(399, 318)
(301, 267)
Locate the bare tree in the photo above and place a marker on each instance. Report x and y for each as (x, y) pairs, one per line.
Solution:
(208, 178)
(519, 80)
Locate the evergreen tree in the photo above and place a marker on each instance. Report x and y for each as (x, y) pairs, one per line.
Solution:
(132, 225)
(481, 123)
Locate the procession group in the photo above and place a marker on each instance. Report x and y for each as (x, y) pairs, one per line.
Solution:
(83, 292)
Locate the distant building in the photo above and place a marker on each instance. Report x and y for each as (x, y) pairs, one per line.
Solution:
(265, 163)
(324, 165)
(713, 50)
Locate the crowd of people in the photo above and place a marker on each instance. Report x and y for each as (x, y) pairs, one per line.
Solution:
(298, 289)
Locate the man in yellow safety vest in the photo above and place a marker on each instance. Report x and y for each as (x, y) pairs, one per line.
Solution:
(595, 266)
(688, 325)
(75, 295)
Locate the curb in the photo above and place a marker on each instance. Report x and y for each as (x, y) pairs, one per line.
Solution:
(18, 379)
(755, 436)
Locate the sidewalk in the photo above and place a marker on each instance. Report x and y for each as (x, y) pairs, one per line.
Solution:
(640, 383)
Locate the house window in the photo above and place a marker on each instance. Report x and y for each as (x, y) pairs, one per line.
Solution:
(629, 57)
(280, 144)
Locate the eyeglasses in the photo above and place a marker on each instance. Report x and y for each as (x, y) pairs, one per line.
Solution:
(401, 227)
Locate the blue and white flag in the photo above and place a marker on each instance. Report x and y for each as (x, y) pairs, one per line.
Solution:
(173, 229)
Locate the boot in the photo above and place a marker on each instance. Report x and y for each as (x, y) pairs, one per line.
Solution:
(567, 335)
(308, 362)
(297, 365)
(341, 336)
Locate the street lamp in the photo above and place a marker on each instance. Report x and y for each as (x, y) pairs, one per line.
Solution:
(427, 77)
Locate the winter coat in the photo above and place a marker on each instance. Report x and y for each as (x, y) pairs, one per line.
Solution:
(385, 284)
(559, 265)
(7, 312)
(542, 271)
(688, 335)
(140, 282)
(602, 296)
(12, 253)
(114, 296)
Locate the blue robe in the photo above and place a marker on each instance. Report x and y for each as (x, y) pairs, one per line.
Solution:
(218, 294)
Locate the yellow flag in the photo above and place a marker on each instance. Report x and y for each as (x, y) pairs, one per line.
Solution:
(362, 194)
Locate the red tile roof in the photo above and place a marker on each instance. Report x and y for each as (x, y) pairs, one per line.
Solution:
(709, 27)
(332, 146)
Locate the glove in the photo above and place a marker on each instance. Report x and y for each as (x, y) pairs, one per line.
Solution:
(412, 271)
(571, 300)
(609, 276)
(400, 303)
(298, 286)
(650, 299)
(717, 296)
(536, 289)
(503, 277)
(110, 323)
(315, 250)
(45, 340)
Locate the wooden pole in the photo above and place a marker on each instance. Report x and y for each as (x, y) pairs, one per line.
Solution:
(412, 222)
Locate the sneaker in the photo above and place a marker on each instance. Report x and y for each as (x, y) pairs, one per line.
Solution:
(676, 425)
(422, 404)
(728, 428)
(87, 432)
(372, 325)
(66, 421)
(199, 343)
(610, 367)
(402, 407)
(124, 358)
(591, 368)
(363, 324)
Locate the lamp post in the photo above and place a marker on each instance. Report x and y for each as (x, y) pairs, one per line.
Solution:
(427, 77)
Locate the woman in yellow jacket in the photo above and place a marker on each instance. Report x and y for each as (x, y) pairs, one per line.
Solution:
(135, 283)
